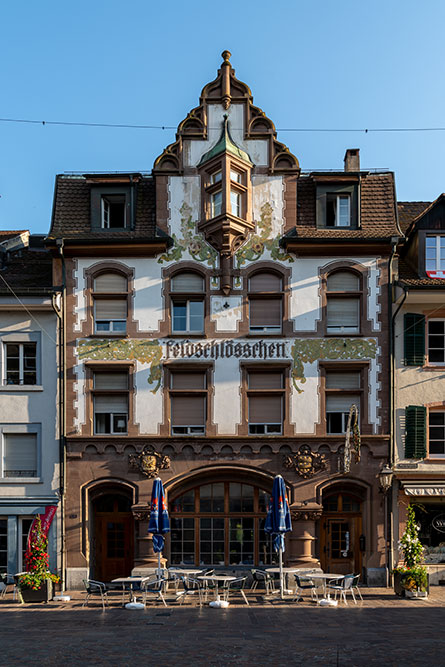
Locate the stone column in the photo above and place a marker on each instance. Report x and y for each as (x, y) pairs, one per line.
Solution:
(302, 537)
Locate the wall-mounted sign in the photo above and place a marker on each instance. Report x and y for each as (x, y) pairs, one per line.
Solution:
(225, 349)
(439, 523)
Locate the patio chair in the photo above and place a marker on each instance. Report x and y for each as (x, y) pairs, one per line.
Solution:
(355, 586)
(342, 585)
(191, 587)
(264, 578)
(304, 584)
(153, 588)
(235, 586)
(95, 589)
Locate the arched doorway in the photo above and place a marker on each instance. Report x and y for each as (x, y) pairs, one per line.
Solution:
(341, 536)
(112, 543)
(220, 523)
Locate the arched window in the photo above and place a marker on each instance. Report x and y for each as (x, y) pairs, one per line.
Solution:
(110, 295)
(220, 524)
(187, 299)
(265, 303)
(343, 303)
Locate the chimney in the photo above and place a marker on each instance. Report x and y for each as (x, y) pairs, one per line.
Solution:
(352, 159)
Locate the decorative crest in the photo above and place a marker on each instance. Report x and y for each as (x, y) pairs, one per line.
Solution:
(305, 463)
(149, 462)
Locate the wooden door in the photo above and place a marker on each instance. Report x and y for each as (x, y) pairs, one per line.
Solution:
(113, 545)
(340, 544)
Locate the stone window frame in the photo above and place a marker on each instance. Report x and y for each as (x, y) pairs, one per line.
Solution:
(89, 327)
(364, 328)
(22, 429)
(169, 295)
(433, 408)
(285, 274)
(285, 367)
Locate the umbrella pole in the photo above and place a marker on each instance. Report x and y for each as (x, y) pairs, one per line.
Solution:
(281, 573)
(159, 565)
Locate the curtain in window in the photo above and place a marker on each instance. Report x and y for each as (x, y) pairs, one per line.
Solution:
(336, 380)
(343, 281)
(343, 312)
(112, 403)
(188, 410)
(265, 312)
(110, 282)
(187, 282)
(265, 282)
(111, 380)
(111, 309)
(20, 454)
(341, 403)
(265, 409)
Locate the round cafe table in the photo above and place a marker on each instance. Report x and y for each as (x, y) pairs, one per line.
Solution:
(327, 601)
(217, 603)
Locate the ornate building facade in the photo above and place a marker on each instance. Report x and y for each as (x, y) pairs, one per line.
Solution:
(223, 314)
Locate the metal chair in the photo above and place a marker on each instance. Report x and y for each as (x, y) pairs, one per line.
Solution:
(153, 588)
(355, 586)
(191, 586)
(264, 578)
(95, 588)
(235, 586)
(343, 585)
(304, 584)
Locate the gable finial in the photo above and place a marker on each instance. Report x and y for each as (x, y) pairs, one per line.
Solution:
(226, 67)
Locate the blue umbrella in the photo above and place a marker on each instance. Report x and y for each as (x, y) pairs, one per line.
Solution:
(278, 520)
(159, 523)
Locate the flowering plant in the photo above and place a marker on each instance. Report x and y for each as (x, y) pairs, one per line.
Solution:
(413, 576)
(37, 560)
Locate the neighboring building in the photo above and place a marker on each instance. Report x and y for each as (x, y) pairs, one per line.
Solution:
(29, 438)
(223, 314)
(419, 380)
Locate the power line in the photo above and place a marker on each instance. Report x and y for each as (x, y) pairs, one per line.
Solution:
(173, 127)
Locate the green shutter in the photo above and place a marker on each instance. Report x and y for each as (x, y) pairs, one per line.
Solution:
(415, 436)
(414, 337)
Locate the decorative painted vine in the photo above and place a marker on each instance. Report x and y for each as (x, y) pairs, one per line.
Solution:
(191, 240)
(308, 350)
(146, 351)
(256, 244)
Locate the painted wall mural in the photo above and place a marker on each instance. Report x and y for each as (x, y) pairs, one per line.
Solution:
(191, 241)
(257, 243)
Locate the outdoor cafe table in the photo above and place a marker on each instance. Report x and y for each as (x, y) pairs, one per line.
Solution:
(285, 570)
(217, 603)
(130, 581)
(325, 577)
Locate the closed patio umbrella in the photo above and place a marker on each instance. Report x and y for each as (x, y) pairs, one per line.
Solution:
(278, 521)
(159, 523)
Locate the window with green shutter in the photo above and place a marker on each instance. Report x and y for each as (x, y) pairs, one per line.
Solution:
(414, 339)
(415, 432)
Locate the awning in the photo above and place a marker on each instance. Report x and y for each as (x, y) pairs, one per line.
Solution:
(424, 489)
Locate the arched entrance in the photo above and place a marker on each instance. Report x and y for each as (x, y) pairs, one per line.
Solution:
(341, 535)
(219, 521)
(112, 535)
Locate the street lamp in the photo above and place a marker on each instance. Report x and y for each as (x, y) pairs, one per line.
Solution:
(385, 478)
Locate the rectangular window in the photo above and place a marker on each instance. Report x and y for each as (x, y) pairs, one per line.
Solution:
(19, 455)
(216, 203)
(343, 315)
(235, 176)
(338, 210)
(216, 177)
(21, 363)
(110, 398)
(188, 402)
(435, 253)
(182, 541)
(211, 541)
(265, 402)
(341, 393)
(235, 203)
(436, 434)
(436, 341)
(265, 315)
(110, 315)
(188, 316)
(113, 209)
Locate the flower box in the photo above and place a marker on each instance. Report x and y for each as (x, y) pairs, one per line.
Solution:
(42, 594)
(416, 594)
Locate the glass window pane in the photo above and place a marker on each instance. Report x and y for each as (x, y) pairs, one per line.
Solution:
(196, 315)
(235, 497)
(179, 316)
(216, 200)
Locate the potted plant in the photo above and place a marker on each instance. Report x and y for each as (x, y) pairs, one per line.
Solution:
(36, 584)
(411, 580)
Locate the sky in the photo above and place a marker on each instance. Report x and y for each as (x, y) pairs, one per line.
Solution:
(340, 64)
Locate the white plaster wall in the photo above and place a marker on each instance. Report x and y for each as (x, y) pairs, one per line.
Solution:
(255, 148)
(269, 190)
(227, 396)
(80, 400)
(226, 319)
(148, 406)
(305, 407)
(183, 190)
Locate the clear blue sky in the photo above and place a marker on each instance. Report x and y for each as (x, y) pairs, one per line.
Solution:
(325, 64)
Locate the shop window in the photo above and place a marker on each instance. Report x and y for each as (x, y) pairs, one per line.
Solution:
(265, 396)
(265, 303)
(222, 524)
(20, 455)
(431, 519)
(434, 254)
(110, 403)
(187, 303)
(436, 341)
(343, 389)
(188, 402)
(110, 300)
(3, 545)
(343, 303)
(20, 363)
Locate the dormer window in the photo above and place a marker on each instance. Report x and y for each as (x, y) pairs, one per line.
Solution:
(337, 205)
(338, 210)
(113, 211)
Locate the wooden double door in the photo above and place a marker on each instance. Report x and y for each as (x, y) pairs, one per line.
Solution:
(113, 541)
(341, 537)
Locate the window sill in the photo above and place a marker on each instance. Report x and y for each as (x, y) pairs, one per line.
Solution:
(108, 334)
(343, 335)
(433, 367)
(21, 387)
(186, 334)
(20, 480)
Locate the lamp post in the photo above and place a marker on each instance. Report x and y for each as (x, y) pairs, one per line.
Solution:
(385, 481)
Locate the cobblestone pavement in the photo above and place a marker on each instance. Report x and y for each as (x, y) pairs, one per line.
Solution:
(382, 630)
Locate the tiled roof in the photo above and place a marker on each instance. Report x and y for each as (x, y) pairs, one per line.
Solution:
(27, 268)
(5, 235)
(409, 210)
(71, 215)
(377, 210)
(409, 277)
